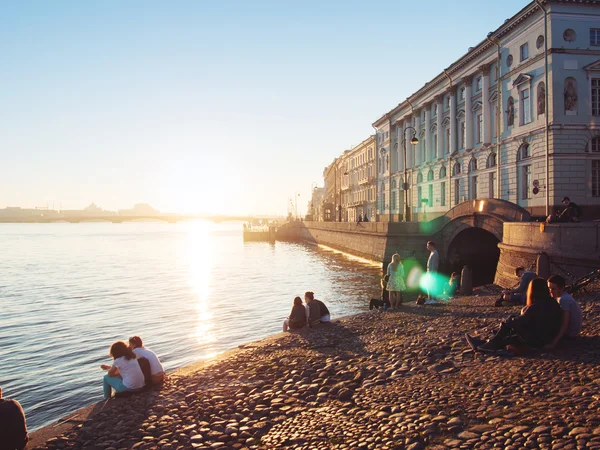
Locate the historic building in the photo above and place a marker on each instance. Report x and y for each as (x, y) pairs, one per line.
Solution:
(516, 118)
(359, 182)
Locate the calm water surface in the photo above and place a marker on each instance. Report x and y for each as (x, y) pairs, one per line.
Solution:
(191, 290)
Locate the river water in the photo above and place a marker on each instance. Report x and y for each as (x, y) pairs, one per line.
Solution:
(190, 290)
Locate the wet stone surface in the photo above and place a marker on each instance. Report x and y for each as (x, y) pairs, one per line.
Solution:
(379, 380)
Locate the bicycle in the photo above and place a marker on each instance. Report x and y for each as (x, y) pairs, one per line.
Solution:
(582, 282)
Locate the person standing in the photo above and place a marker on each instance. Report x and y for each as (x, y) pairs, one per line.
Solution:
(396, 285)
(13, 427)
(572, 317)
(433, 264)
(156, 368)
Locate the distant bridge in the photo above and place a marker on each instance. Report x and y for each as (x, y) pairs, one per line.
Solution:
(119, 219)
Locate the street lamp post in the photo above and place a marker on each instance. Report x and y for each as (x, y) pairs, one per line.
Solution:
(405, 185)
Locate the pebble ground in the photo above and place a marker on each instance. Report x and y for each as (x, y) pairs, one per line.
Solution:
(379, 380)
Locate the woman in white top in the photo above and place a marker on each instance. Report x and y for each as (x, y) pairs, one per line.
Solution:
(396, 283)
(125, 374)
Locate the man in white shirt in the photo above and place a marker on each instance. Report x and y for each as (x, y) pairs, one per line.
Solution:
(572, 318)
(156, 368)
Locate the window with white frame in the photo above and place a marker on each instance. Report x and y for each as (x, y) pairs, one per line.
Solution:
(492, 185)
(478, 84)
(394, 199)
(430, 197)
(443, 193)
(447, 143)
(419, 197)
(594, 145)
(461, 135)
(473, 188)
(596, 178)
(525, 106)
(461, 94)
(456, 192)
(479, 129)
(595, 36)
(595, 96)
(524, 51)
(526, 182)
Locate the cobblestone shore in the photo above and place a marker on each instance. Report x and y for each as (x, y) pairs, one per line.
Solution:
(377, 380)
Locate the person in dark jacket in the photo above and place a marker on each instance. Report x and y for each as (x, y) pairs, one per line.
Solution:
(384, 301)
(297, 318)
(13, 427)
(536, 327)
(316, 309)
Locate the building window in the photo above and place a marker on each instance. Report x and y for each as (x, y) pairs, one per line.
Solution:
(596, 178)
(456, 169)
(524, 152)
(443, 193)
(419, 177)
(479, 131)
(419, 197)
(473, 165)
(462, 94)
(430, 197)
(435, 145)
(525, 107)
(394, 199)
(443, 172)
(430, 175)
(478, 84)
(461, 135)
(492, 185)
(524, 51)
(456, 191)
(435, 111)
(491, 161)
(447, 143)
(595, 36)
(595, 96)
(526, 182)
(539, 42)
(594, 145)
(448, 103)
(473, 188)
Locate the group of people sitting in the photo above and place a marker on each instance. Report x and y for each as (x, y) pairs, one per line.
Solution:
(313, 313)
(133, 369)
(549, 315)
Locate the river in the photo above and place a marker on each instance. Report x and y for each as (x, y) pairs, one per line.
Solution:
(190, 290)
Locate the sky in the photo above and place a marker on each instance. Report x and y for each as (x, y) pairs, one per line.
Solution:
(225, 107)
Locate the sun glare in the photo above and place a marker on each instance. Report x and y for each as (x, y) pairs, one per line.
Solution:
(200, 257)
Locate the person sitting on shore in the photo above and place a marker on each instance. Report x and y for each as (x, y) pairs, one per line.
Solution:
(572, 317)
(316, 311)
(156, 368)
(13, 427)
(517, 296)
(384, 301)
(297, 318)
(536, 327)
(451, 288)
(125, 375)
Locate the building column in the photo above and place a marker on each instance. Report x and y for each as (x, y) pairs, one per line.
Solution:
(468, 114)
(417, 148)
(485, 106)
(429, 151)
(453, 124)
(440, 132)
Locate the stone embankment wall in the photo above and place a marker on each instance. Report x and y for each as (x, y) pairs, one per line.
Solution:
(376, 241)
(573, 248)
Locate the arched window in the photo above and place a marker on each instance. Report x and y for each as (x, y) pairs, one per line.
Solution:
(473, 165)
(393, 183)
(456, 169)
(491, 161)
(420, 178)
(443, 172)
(523, 152)
(430, 175)
(594, 145)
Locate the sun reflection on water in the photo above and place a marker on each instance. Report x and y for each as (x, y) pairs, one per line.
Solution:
(200, 253)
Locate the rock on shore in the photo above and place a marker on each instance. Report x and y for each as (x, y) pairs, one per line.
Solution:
(378, 380)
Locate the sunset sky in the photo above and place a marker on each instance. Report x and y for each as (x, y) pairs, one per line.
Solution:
(228, 107)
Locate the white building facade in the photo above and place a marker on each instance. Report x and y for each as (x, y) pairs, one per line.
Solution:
(517, 118)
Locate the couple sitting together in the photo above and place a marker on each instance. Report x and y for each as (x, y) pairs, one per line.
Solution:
(134, 368)
(549, 316)
(313, 313)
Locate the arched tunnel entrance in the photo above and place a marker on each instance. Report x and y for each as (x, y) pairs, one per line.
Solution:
(478, 249)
